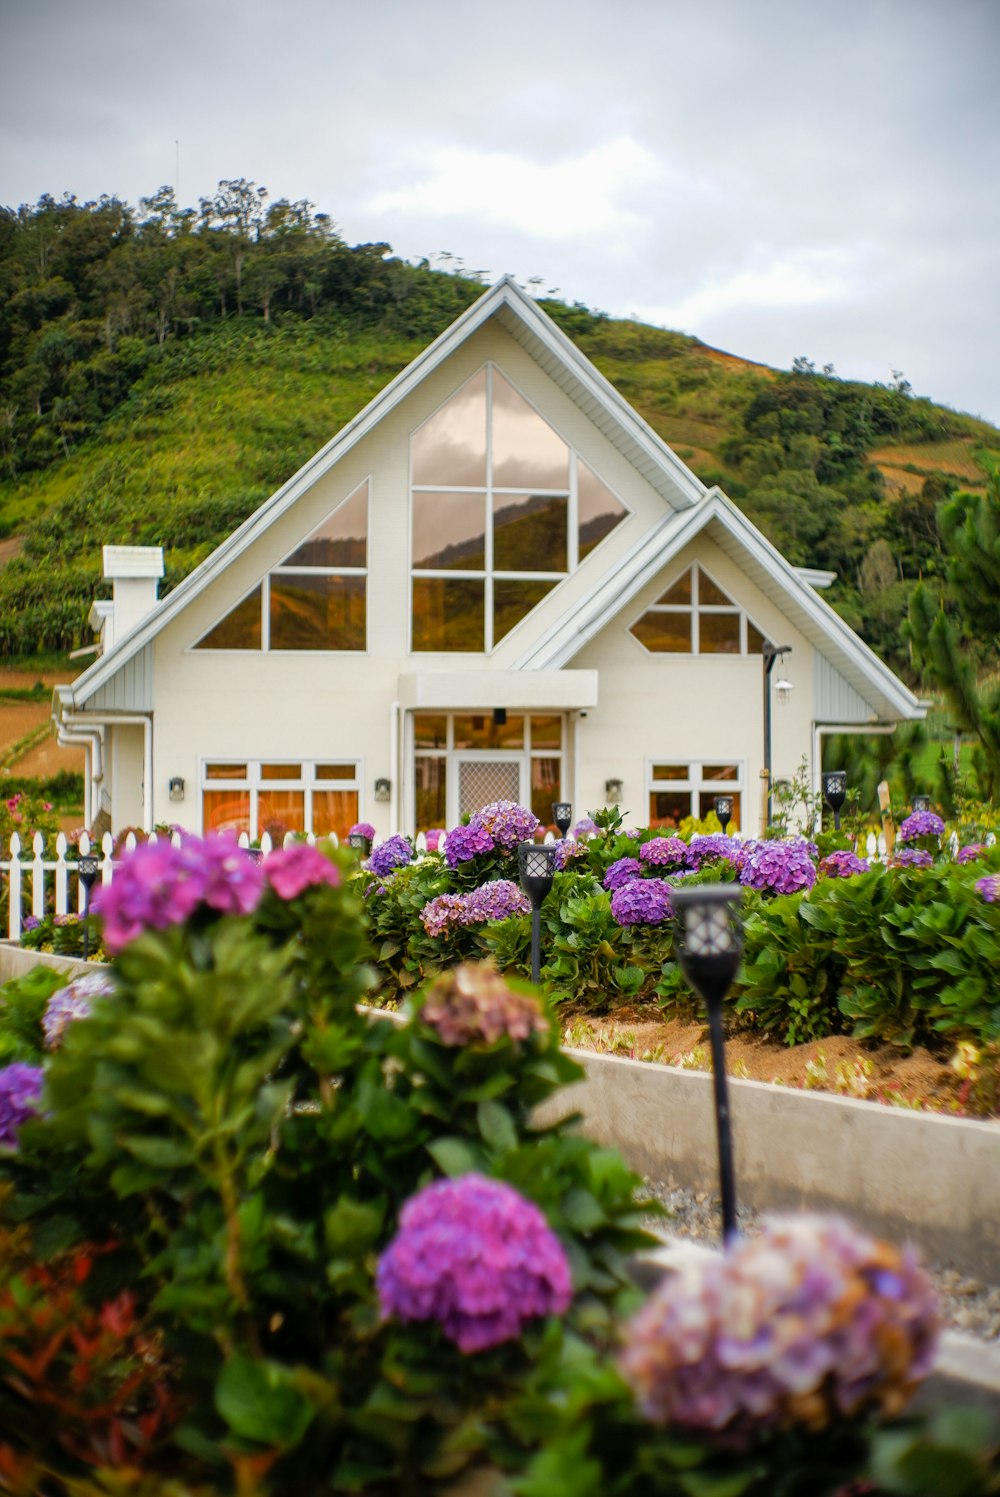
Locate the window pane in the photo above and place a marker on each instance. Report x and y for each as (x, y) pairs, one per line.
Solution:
(225, 771)
(281, 771)
(448, 614)
(599, 510)
(709, 593)
(720, 772)
(708, 804)
(546, 732)
(341, 540)
(451, 447)
(669, 807)
(512, 601)
(529, 533)
(670, 772)
(317, 613)
(226, 811)
(679, 592)
(281, 811)
(527, 453)
(449, 531)
(546, 786)
(429, 731)
(719, 633)
(239, 630)
(336, 772)
(430, 782)
(755, 640)
(479, 731)
(664, 632)
(334, 811)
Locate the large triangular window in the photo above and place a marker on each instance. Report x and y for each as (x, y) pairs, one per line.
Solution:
(316, 599)
(694, 616)
(502, 509)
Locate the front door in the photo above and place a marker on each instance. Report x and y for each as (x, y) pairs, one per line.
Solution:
(482, 776)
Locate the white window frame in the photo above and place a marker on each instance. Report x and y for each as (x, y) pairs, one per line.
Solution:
(693, 611)
(254, 783)
(696, 784)
(525, 755)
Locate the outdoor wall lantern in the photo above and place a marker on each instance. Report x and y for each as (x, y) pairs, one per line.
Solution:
(835, 793)
(783, 689)
(562, 815)
(921, 803)
(614, 790)
(709, 946)
(360, 843)
(536, 867)
(383, 789)
(724, 809)
(86, 871)
(176, 788)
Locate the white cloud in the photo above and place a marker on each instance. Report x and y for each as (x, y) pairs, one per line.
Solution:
(806, 278)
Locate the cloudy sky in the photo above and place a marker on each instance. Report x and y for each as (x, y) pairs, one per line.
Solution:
(778, 177)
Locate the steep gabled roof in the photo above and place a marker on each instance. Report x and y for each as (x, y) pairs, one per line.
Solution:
(525, 321)
(826, 631)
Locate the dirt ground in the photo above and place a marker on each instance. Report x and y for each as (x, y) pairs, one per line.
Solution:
(17, 719)
(837, 1064)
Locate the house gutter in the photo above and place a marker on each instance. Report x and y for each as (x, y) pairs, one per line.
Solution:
(828, 729)
(84, 723)
(393, 768)
(91, 740)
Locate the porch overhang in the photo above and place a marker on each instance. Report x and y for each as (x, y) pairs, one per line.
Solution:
(481, 690)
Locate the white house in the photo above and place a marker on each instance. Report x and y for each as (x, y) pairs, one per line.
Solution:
(496, 581)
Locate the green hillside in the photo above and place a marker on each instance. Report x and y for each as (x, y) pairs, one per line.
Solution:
(162, 372)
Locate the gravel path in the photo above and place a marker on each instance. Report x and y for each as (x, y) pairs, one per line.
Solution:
(968, 1305)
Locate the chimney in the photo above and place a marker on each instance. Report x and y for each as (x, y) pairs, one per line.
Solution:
(134, 572)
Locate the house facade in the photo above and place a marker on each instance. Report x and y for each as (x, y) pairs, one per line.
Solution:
(495, 582)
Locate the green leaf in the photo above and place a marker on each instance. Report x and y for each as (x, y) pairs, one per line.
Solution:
(351, 1227)
(259, 1401)
(454, 1156)
(496, 1126)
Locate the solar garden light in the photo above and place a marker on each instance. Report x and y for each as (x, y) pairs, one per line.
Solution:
(709, 946)
(536, 867)
(360, 843)
(86, 871)
(921, 803)
(562, 815)
(724, 809)
(835, 793)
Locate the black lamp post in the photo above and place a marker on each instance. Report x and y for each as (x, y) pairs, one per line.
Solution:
(86, 871)
(709, 947)
(360, 843)
(724, 809)
(921, 803)
(562, 815)
(835, 793)
(536, 866)
(771, 653)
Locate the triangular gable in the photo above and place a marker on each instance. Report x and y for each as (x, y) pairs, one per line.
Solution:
(859, 667)
(555, 353)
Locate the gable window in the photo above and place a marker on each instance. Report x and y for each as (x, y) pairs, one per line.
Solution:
(502, 510)
(695, 617)
(280, 796)
(689, 788)
(316, 599)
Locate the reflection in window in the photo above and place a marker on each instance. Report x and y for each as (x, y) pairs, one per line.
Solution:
(695, 617)
(677, 791)
(316, 599)
(280, 798)
(501, 499)
(480, 730)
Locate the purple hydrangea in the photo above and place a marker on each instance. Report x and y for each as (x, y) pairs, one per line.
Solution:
(466, 842)
(291, 870)
(232, 881)
(567, 851)
(496, 900)
(971, 852)
(30, 922)
(781, 867)
(912, 857)
(921, 824)
(842, 864)
(440, 914)
(20, 1089)
(989, 888)
(586, 827)
(394, 853)
(711, 848)
(155, 886)
(472, 1005)
(507, 823)
(476, 1257)
(665, 852)
(363, 829)
(74, 1001)
(620, 872)
(805, 1324)
(642, 901)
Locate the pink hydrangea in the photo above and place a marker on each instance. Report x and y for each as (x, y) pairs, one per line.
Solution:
(432, 839)
(464, 843)
(155, 886)
(842, 864)
(780, 867)
(233, 881)
(363, 829)
(478, 1258)
(496, 900)
(291, 870)
(665, 852)
(440, 914)
(472, 1005)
